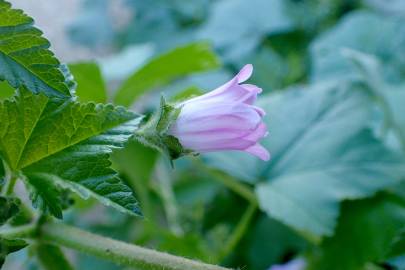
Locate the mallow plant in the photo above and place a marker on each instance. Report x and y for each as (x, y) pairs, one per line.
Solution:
(54, 143)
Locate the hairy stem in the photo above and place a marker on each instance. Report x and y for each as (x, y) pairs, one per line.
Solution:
(165, 190)
(117, 251)
(24, 231)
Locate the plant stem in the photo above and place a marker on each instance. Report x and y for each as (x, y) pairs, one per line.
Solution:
(239, 188)
(10, 185)
(117, 251)
(166, 193)
(239, 231)
(24, 231)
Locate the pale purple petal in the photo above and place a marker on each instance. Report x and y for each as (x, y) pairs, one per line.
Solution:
(245, 73)
(223, 119)
(259, 151)
(296, 264)
(257, 134)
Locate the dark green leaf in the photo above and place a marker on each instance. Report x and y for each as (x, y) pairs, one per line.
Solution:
(67, 144)
(9, 246)
(45, 195)
(51, 257)
(193, 58)
(25, 59)
(9, 207)
(365, 232)
(90, 82)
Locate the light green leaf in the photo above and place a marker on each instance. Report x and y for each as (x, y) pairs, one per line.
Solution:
(6, 91)
(365, 232)
(322, 153)
(25, 59)
(182, 61)
(90, 82)
(67, 144)
(51, 257)
(353, 32)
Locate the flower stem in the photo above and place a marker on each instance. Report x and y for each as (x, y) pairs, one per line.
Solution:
(9, 188)
(24, 231)
(239, 188)
(117, 251)
(239, 231)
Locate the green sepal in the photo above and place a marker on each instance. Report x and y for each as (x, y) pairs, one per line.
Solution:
(154, 132)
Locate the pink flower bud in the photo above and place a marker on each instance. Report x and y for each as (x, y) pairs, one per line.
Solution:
(223, 119)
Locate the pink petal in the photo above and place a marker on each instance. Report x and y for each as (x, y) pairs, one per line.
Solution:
(245, 73)
(257, 134)
(259, 151)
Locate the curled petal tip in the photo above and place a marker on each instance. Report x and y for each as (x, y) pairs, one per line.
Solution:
(259, 151)
(245, 73)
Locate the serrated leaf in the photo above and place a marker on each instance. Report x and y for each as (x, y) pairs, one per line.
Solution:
(66, 144)
(90, 82)
(25, 58)
(323, 153)
(9, 207)
(8, 246)
(51, 257)
(45, 195)
(365, 233)
(182, 61)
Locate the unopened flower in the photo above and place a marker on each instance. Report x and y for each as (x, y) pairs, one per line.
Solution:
(223, 119)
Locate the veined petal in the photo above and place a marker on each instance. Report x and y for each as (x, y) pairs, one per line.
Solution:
(257, 134)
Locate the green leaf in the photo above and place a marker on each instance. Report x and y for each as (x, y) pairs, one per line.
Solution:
(9, 207)
(67, 144)
(262, 251)
(353, 32)
(238, 32)
(45, 195)
(9, 246)
(365, 233)
(90, 82)
(323, 153)
(51, 257)
(6, 91)
(182, 61)
(25, 59)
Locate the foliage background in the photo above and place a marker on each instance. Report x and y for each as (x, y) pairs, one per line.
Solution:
(333, 78)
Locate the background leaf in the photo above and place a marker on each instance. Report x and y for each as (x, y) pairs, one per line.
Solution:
(365, 232)
(90, 82)
(192, 58)
(25, 59)
(51, 257)
(313, 170)
(9, 207)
